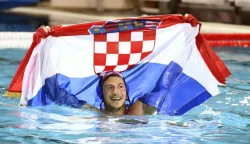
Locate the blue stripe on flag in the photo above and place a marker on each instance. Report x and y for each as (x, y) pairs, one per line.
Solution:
(163, 86)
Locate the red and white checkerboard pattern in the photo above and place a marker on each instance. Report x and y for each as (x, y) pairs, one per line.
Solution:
(121, 50)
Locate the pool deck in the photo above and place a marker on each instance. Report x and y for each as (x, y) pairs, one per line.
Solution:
(58, 16)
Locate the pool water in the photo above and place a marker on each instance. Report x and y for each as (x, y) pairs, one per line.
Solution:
(222, 119)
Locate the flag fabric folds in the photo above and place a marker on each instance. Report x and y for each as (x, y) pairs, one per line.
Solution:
(164, 60)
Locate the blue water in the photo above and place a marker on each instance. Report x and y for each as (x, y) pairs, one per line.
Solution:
(222, 119)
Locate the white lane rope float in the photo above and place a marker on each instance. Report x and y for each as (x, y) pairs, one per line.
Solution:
(15, 40)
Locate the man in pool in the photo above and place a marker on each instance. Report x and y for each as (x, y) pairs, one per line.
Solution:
(114, 95)
(112, 90)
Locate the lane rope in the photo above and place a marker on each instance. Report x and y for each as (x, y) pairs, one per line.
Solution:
(22, 40)
(228, 40)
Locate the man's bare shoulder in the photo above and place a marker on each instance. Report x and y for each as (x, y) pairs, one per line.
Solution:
(139, 108)
(136, 108)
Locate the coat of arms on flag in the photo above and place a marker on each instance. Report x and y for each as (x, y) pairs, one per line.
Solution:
(119, 51)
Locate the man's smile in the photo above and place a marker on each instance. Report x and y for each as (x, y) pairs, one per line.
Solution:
(116, 98)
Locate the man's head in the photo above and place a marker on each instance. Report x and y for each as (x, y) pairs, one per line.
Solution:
(114, 91)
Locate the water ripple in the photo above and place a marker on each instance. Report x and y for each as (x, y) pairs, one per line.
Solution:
(9, 61)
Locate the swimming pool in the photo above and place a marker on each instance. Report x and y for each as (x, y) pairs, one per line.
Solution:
(222, 119)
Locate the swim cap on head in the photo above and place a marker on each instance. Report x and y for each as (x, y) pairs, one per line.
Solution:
(105, 75)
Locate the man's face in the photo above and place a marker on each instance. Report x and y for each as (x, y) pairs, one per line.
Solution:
(114, 93)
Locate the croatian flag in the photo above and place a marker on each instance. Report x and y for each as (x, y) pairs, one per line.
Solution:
(164, 59)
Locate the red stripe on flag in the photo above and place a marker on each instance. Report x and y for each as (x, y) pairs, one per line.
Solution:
(214, 63)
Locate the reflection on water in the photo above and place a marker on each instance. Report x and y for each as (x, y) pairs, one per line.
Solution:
(8, 61)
